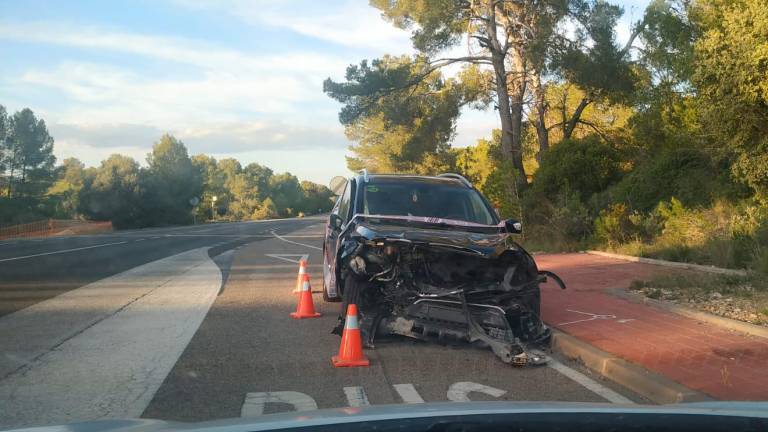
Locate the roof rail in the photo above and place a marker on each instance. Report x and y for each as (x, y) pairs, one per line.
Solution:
(364, 173)
(457, 177)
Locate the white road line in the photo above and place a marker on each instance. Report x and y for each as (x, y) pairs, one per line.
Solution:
(296, 243)
(459, 392)
(130, 330)
(62, 251)
(408, 393)
(291, 258)
(254, 403)
(589, 383)
(356, 396)
(141, 239)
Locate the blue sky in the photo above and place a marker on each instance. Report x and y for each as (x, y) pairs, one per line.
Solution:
(231, 78)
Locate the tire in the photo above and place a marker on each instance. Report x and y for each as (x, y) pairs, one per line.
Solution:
(351, 294)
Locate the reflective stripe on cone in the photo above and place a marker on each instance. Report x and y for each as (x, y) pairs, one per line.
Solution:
(351, 349)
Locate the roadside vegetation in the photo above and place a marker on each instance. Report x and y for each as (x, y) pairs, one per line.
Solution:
(171, 189)
(657, 146)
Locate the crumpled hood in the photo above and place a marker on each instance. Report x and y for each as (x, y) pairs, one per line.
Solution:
(486, 240)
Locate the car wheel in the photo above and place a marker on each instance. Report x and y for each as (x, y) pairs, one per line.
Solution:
(351, 294)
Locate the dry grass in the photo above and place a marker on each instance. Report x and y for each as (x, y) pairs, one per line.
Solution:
(744, 298)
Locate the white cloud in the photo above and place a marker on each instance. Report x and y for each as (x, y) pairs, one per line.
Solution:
(92, 155)
(351, 23)
(262, 136)
(100, 94)
(473, 125)
(280, 146)
(108, 136)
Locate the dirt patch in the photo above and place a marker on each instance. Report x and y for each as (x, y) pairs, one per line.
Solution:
(743, 298)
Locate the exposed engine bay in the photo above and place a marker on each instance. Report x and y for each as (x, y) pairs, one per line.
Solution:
(445, 286)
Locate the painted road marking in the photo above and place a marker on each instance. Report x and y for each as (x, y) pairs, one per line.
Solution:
(459, 392)
(113, 342)
(592, 317)
(254, 403)
(356, 396)
(589, 383)
(408, 393)
(61, 251)
(293, 242)
(291, 258)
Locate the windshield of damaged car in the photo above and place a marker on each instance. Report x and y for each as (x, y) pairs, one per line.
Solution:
(446, 201)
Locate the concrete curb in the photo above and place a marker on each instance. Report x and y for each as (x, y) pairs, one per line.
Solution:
(686, 266)
(650, 385)
(727, 323)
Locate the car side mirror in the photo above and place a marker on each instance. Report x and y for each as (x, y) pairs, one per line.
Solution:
(513, 226)
(336, 221)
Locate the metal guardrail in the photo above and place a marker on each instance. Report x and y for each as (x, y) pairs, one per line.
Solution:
(54, 227)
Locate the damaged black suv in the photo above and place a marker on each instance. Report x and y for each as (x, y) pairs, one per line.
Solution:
(429, 258)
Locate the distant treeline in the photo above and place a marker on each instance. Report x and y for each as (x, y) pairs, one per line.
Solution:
(173, 188)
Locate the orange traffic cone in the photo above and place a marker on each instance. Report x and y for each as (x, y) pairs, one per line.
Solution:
(351, 349)
(306, 307)
(300, 277)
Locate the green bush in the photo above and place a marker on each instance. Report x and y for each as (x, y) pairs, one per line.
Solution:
(759, 256)
(581, 166)
(617, 225)
(684, 173)
(723, 234)
(556, 224)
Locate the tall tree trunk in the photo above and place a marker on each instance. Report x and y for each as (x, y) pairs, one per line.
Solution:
(542, 133)
(570, 125)
(518, 85)
(10, 181)
(511, 129)
(517, 99)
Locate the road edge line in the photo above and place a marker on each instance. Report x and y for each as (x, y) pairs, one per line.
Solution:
(636, 378)
(726, 323)
(674, 264)
(278, 236)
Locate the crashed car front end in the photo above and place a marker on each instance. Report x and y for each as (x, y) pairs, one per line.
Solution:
(443, 281)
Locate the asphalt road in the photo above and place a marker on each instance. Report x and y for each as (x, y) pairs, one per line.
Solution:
(144, 323)
(38, 269)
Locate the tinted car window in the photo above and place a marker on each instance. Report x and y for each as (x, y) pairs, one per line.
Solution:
(344, 203)
(446, 201)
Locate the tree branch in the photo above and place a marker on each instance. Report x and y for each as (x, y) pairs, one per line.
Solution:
(635, 33)
(438, 63)
(596, 129)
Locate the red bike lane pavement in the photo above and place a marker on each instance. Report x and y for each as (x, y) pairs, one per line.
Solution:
(724, 364)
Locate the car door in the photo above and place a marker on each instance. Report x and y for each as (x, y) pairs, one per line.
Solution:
(341, 209)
